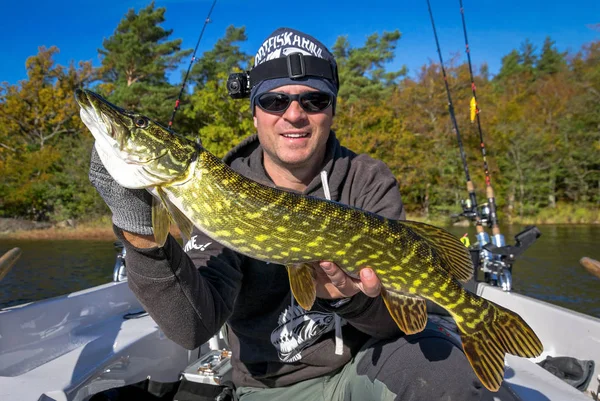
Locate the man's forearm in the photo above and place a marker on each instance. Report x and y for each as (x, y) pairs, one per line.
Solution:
(140, 241)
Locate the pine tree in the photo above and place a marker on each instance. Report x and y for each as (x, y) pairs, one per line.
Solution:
(551, 60)
(135, 61)
(362, 70)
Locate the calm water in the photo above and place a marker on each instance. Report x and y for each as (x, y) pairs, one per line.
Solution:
(549, 270)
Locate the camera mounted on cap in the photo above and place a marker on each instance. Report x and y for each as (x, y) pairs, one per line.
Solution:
(294, 66)
(238, 85)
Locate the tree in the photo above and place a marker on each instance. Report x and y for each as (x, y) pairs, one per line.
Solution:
(219, 121)
(224, 58)
(362, 70)
(551, 60)
(135, 60)
(39, 109)
(37, 117)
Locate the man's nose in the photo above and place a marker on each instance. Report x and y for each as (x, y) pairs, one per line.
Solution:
(294, 112)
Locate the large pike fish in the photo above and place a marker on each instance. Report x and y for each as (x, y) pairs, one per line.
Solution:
(414, 261)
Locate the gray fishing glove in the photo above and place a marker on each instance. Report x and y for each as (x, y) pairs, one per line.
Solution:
(131, 208)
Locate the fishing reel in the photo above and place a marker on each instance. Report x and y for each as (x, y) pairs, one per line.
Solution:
(496, 259)
(471, 213)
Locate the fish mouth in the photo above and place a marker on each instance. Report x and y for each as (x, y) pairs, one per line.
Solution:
(99, 112)
(111, 126)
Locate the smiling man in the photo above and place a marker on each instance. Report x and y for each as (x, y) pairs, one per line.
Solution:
(347, 346)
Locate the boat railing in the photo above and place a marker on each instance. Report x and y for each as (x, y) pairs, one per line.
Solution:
(119, 271)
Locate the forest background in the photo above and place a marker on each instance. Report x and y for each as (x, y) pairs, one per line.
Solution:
(540, 117)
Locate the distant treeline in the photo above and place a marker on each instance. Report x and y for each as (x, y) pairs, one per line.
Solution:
(540, 116)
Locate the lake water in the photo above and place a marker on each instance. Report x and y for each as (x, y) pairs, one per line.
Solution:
(549, 270)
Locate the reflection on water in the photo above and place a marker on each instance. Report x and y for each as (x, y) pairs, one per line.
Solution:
(50, 268)
(549, 270)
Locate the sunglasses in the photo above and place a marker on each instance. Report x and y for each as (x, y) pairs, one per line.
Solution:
(278, 102)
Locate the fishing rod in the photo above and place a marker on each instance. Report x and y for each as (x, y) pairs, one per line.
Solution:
(492, 216)
(495, 258)
(497, 263)
(187, 73)
(471, 209)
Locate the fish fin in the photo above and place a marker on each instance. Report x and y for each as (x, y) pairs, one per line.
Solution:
(453, 255)
(161, 221)
(183, 222)
(486, 342)
(408, 311)
(302, 284)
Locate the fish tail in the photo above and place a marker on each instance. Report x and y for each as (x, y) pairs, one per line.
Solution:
(485, 342)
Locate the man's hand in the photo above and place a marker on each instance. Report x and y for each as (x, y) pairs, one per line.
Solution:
(333, 283)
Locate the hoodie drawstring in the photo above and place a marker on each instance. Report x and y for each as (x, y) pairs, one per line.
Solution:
(339, 341)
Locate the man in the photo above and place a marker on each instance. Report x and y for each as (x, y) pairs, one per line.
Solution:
(347, 345)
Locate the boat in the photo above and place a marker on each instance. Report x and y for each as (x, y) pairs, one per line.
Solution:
(76, 345)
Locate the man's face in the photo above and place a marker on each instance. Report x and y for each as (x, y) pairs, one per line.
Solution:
(294, 138)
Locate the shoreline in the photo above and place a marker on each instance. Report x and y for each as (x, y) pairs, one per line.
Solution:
(103, 231)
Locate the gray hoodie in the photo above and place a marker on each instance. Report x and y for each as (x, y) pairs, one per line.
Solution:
(192, 292)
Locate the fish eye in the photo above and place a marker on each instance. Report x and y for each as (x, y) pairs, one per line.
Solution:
(141, 122)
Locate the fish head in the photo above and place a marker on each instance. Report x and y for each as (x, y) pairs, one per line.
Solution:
(137, 151)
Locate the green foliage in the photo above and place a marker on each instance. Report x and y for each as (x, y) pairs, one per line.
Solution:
(225, 121)
(135, 60)
(362, 70)
(551, 60)
(225, 57)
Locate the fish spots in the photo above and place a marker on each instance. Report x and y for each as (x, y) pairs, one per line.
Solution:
(295, 249)
(281, 229)
(223, 233)
(317, 242)
(361, 262)
(239, 231)
(262, 237)
(253, 216)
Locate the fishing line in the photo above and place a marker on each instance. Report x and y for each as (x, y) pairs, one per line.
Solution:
(493, 217)
(187, 73)
(473, 209)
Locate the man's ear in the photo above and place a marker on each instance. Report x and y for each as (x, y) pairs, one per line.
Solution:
(255, 122)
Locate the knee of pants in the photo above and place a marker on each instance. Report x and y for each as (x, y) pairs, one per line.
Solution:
(424, 366)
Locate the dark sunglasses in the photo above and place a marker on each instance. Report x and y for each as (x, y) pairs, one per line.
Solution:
(278, 102)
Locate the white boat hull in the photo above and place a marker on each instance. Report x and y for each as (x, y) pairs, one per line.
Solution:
(70, 347)
(76, 345)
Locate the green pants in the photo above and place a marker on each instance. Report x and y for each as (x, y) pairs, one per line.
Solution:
(327, 388)
(422, 367)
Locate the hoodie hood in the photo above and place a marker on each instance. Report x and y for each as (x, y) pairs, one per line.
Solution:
(247, 159)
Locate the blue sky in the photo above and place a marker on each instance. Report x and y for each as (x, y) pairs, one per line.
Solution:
(494, 27)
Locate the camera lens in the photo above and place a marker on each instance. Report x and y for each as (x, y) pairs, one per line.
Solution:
(234, 86)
